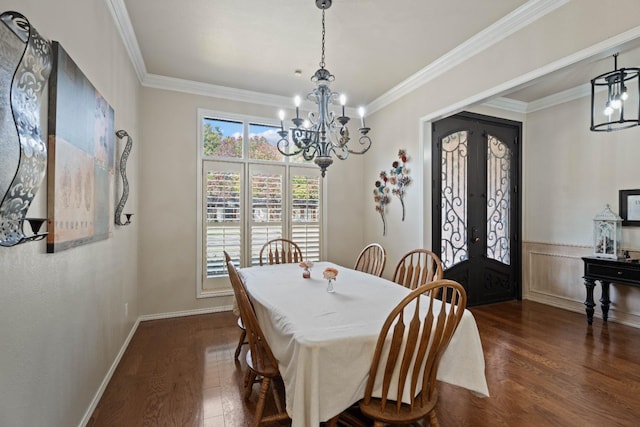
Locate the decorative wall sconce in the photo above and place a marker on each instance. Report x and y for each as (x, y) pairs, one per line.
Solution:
(125, 184)
(23, 153)
(619, 108)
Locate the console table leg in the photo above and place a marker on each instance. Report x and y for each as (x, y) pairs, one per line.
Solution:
(604, 300)
(589, 304)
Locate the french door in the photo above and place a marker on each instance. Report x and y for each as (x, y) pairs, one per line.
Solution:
(476, 204)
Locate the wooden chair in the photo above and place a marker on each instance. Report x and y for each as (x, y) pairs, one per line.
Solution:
(243, 332)
(418, 267)
(263, 366)
(408, 353)
(372, 259)
(280, 251)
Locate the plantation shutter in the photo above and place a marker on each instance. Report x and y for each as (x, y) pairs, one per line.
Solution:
(267, 222)
(223, 220)
(305, 211)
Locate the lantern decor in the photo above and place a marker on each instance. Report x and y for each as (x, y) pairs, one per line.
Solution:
(607, 234)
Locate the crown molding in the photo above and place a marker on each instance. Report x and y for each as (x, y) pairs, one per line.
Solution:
(507, 104)
(206, 89)
(522, 107)
(123, 24)
(499, 30)
(156, 81)
(560, 98)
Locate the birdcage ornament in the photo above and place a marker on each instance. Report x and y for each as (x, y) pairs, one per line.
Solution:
(607, 234)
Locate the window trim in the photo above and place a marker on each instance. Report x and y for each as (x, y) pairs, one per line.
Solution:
(203, 113)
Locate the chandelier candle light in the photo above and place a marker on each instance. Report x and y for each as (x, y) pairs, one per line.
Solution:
(323, 133)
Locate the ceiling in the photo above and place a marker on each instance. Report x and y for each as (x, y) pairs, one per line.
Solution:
(372, 46)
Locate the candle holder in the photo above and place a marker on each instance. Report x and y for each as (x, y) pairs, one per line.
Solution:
(13, 231)
(125, 183)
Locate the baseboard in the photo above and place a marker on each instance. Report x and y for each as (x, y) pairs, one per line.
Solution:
(570, 305)
(184, 313)
(107, 378)
(114, 365)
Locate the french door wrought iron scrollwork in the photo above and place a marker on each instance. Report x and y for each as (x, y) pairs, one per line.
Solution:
(476, 208)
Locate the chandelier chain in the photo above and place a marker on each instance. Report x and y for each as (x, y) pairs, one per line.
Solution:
(322, 64)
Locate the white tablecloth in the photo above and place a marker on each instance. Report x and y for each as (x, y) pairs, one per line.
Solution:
(324, 342)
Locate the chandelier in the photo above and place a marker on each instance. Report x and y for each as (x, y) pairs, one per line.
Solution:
(620, 107)
(324, 132)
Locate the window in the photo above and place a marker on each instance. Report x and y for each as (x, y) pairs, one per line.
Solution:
(250, 193)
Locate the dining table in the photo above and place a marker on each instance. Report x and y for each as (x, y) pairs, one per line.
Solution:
(324, 341)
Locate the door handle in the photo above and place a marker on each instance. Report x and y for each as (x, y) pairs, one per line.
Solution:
(474, 235)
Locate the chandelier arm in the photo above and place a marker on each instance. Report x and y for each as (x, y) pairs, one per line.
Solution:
(283, 145)
(365, 144)
(302, 138)
(341, 152)
(309, 153)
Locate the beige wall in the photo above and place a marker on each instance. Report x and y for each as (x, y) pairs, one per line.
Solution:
(62, 315)
(168, 239)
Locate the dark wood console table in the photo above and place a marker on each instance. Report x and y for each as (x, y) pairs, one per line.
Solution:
(607, 271)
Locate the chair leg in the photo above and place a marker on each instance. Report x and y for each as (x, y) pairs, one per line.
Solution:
(261, 401)
(276, 397)
(433, 419)
(243, 335)
(249, 379)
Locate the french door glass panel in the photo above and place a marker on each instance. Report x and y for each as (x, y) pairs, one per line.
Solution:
(498, 200)
(454, 199)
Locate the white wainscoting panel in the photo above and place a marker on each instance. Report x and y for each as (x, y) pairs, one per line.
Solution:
(552, 275)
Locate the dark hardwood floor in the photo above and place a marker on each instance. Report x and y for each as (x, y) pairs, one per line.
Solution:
(544, 366)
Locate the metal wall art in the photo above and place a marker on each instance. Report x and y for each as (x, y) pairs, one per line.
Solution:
(398, 177)
(125, 184)
(26, 64)
(381, 198)
(82, 162)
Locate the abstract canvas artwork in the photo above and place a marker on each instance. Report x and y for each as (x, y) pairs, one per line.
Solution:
(81, 158)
